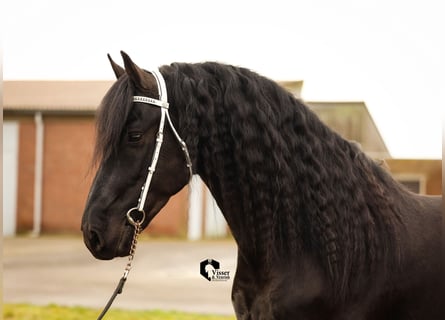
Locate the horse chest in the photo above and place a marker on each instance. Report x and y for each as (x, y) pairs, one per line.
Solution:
(285, 293)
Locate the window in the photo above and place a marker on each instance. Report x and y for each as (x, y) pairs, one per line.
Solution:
(414, 182)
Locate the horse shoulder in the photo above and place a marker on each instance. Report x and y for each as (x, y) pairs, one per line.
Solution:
(288, 291)
(421, 237)
(420, 282)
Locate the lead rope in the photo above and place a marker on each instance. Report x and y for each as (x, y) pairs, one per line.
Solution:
(120, 285)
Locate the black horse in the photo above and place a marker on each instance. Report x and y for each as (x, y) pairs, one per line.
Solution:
(323, 231)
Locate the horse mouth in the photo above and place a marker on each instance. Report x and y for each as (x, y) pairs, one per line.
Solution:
(109, 245)
(106, 249)
(124, 244)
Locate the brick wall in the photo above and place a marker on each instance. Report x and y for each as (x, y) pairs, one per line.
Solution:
(430, 170)
(25, 185)
(67, 176)
(68, 149)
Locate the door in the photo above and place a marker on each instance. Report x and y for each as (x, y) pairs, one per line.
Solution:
(10, 165)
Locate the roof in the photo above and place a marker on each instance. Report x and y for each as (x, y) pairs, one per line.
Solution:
(81, 96)
(293, 87)
(71, 95)
(352, 120)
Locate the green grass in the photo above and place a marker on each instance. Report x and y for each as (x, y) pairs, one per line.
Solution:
(55, 312)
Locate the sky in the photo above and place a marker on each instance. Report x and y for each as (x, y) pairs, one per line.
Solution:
(387, 53)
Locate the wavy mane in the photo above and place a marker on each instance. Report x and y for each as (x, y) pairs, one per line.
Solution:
(285, 182)
(322, 230)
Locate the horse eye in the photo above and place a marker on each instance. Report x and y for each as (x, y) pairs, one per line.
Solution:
(134, 136)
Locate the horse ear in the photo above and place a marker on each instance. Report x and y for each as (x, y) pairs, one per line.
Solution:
(118, 70)
(136, 74)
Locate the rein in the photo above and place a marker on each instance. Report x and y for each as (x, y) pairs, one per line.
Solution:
(161, 103)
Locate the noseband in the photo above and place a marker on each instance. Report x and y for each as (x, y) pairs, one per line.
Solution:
(161, 103)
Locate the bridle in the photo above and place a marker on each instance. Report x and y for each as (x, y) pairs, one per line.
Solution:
(161, 103)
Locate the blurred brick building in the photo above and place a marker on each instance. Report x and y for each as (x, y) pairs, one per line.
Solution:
(63, 112)
(48, 138)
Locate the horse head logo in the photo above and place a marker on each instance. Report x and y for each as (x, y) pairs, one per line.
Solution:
(207, 268)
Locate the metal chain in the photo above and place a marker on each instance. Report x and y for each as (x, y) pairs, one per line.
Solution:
(134, 242)
(120, 286)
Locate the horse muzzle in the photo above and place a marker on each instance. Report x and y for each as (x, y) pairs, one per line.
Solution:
(105, 246)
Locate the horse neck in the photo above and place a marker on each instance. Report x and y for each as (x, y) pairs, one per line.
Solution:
(289, 184)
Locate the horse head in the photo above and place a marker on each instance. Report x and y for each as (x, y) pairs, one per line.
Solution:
(126, 143)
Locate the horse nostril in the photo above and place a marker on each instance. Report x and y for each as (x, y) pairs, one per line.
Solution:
(95, 241)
